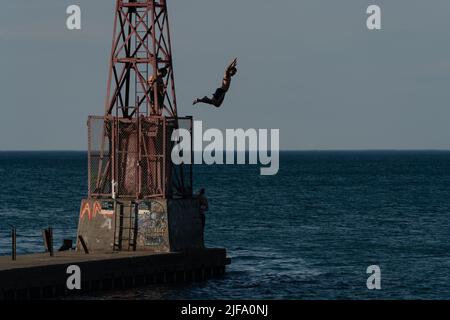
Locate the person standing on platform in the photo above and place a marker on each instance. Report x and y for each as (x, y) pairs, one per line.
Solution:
(204, 206)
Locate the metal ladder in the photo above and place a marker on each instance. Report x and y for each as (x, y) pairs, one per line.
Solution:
(125, 233)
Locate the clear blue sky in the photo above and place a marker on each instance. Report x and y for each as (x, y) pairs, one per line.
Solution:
(307, 67)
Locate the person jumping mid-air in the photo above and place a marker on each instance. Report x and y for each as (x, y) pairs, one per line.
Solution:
(219, 95)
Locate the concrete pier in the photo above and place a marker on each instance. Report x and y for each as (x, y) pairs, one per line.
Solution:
(39, 276)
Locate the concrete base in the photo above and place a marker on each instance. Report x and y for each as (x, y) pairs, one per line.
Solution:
(160, 225)
(39, 276)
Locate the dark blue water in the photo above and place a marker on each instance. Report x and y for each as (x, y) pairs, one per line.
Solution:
(308, 233)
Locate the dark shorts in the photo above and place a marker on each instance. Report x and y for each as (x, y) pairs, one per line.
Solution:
(203, 217)
(219, 94)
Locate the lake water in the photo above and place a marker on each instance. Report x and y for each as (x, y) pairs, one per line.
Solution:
(309, 232)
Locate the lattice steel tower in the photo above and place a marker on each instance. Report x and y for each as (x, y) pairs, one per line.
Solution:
(138, 198)
(141, 50)
(132, 157)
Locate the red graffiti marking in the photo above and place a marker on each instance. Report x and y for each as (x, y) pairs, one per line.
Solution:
(86, 209)
(96, 209)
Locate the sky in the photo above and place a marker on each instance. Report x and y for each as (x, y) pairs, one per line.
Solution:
(310, 68)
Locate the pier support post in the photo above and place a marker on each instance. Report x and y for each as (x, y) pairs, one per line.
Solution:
(83, 244)
(50, 241)
(14, 244)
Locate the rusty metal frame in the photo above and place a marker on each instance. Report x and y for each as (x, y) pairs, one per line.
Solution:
(131, 23)
(102, 170)
(141, 38)
(109, 171)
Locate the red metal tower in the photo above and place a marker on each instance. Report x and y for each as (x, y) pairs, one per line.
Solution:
(130, 147)
(138, 198)
(141, 50)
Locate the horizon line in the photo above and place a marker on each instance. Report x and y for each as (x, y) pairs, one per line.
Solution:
(281, 150)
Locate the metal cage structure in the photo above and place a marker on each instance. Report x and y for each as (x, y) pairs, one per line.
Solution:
(131, 159)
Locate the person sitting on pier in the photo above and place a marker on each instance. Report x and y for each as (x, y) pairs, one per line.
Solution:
(218, 97)
(203, 201)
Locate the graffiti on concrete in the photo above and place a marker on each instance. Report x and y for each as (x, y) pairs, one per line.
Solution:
(92, 209)
(107, 223)
(153, 225)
